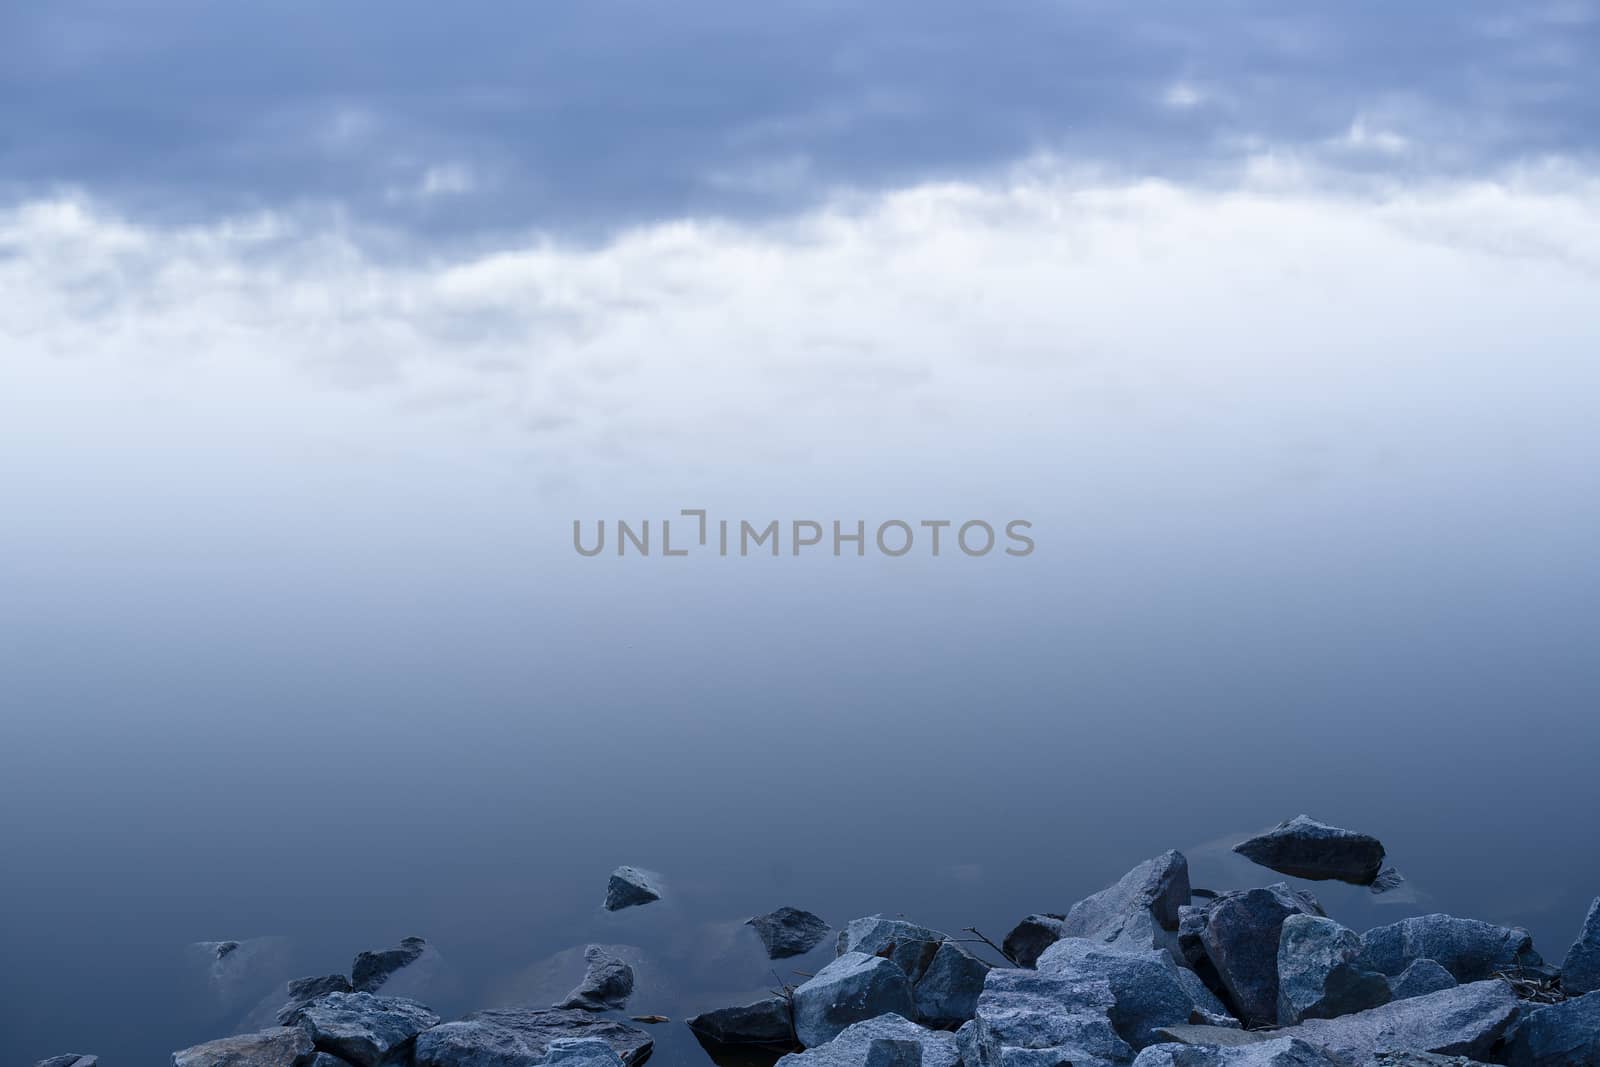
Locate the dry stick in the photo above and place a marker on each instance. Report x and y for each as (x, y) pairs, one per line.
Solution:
(1003, 953)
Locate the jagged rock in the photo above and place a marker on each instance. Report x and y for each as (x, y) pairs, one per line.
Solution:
(1033, 1018)
(1420, 1059)
(629, 887)
(363, 1028)
(946, 979)
(853, 987)
(1140, 911)
(1145, 987)
(372, 969)
(240, 973)
(789, 932)
(1419, 979)
(582, 1052)
(473, 1044)
(607, 984)
(1241, 940)
(1278, 1052)
(284, 1045)
(766, 1022)
(323, 1059)
(71, 1059)
(1226, 1037)
(1387, 879)
(1464, 1021)
(1580, 971)
(1317, 975)
(1469, 949)
(303, 991)
(539, 1028)
(1557, 1035)
(909, 945)
(862, 1045)
(1030, 937)
(1302, 847)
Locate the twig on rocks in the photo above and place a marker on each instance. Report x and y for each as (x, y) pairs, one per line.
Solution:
(1003, 953)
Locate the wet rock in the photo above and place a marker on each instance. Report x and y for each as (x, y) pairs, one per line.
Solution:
(630, 887)
(789, 932)
(1465, 1021)
(1317, 974)
(1030, 937)
(766, 1022)
(1146, 990)
(1469, 949)
(239, 974)
(1387, 879)
(1419, 979)
(1140, 911)
(71, 1059)
(863, 1044)
(371, 970)
(1557, 1035)
(1580, 971)
(1035, 1018)
(539, 1028)
(947, 992)
(581, 1052)
(303, 991)
(278, 1047)
(473, 1044)
(855, 986)
(607, 983)
(1302, 847)
(1278, 1052)
(1241, 940)
(363, 1028)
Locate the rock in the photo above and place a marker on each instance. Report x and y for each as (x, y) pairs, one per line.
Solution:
(582, 1052)
(1032, 936)
(538, 1028)
(1278, 1052)
(910, 946)
(607, 984)
(630, 887)
(1140, 911)
(853, 987)
(1241, 940)
(372, 969)
(789, 932)
(1469, 949)
(1580, 971)
(363, 1028)
(1302, 847)
(1464, 1021)
(946, 979)
(766, 1022)
(71, 1059)
(240, 973)
(1317, 975)
(303, 991)
(1145, 988)
(1420, 1059)
(879, 1042)
(323, 1059)
(283, 1046)
(1557, 1035)
(1035, 1019)
(1211, 1035)
(1419, 979)
(1192, 919)
(1387, 879)
(473, 1044)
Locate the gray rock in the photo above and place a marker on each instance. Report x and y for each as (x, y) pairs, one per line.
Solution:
(1302, 847)
(582, 1052)
(894, 1052)
(303, 991)
(1419, 979)
(1278, 1052)
(540, 1027)
(1469, 949)
(238, 974)
(1035, 1019)
(473, 1044)
(766, 1022)
(371, 970)
(607, 983)
(1420, 1059)
(284, 1046)
(1226, 1037)
(1464, 1021)
(853, 987)
(1145, 988)
(947, 992)
(71, 1059)
(910, 946)
(323, 1059)
(629, 887)
(363, 1028)
(789, 932)
(860, 1045)
(1140, 911)
(1317, 974)
(1241, 940)
(1030, 937)
(1387, 879)
(1557, 1035)
(1580, 971)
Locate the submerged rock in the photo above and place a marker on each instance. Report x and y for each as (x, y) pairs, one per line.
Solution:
(789, 932)
(1464, 1021)
(539, 1028)
(1030, 937)
(1580, 971)
(1140, 910)
(630, 887)
(852, 988)
(1469, 949)
(1387, 879)
(363, 1028)
(766, 1022)
(1241, 940)
(1146, 987)
(303, 991)
(1278, 1052)
(284, 1045)
(1317, 974)
(607, 983)
(879, 1042)
(71, 1059)
(1302, 847)
(1419, 979)
(1035, 1018)
(1557, 1035)
(241, 973)
(371, 970)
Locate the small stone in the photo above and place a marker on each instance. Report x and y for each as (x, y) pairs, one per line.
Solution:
(1420, 979)
(630, 887)
(789, 932)
(269, 1048)
(607, 983)
(363, 1028)
(852, 988)
(766, 1022)
(1580, 971)
(1302, 847)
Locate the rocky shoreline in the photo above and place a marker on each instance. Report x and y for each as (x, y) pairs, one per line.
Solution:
(1148, 972)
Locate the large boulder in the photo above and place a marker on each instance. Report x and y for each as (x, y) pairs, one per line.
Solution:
(1580, 971)
(607, 982)
(1140, 911)
(362, 1028)
(879, 1042)
(629, 887)
(1317, 974)
(302, 991)
(853, 987)
(789, 932)
(1279, 1052)
(1302, 847)
(766, 1022)
(1241, 940)
(473, 1044)
(1469, 949)
(540, 1028)
(1030, 937)
(1146, 986)
(1557, 1035)
(1420, 979)
(945, 978)
(1465, 1021)
(1034, 1019)
(283, 1046)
